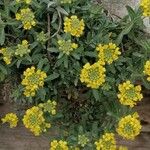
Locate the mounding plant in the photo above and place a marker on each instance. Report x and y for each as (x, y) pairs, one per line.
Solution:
(81, 70)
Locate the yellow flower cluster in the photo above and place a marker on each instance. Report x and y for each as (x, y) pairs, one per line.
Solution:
(35, 121)
(58, 145)
(122, 148)
(83, 140)
(129, 94)
(25, 1)
(108, 53)
(145, 4)
(32, 81)
(49, 106)
(129, 126)
(93, 75)
(107, 142)
(7, 55)
(10, 118)
(74, 26)
(27, 18)
(22, 49)
(67, 46)
(42, 37)
(147, 70)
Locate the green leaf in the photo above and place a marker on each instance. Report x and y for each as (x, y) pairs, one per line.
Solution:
(42, 93)
(41, 63)
(53, 50)
(3, 69)
(90, 54)
(50, 4)
(52, 77)
(66, 61)
(46, 68)
(59, 62)
(28, 58)
(125, 31)
(18, 63)
(76, 56)
(96, 94)
(33, 45)
(138, 55)
(95, 129)
(60, 55)
(80, 50)
(2, 76)
(61, 10)
(2, 35)
(130, 12)
(144, 43)
(80, 130)
(55, 16)
(112, 68)
(146, 83)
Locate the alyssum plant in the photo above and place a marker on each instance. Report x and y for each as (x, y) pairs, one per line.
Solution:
(79, 67)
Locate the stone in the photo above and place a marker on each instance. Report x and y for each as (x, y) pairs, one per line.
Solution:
(117, 7)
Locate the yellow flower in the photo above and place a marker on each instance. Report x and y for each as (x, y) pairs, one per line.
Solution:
(35, 121)
(11, 118)
(108, 53)
(107, 142)
(129, 126)
(58, 145)
(7, 54)
(18, 16)
(145, 4)
(93, 75)
(22, 49)
(67, 46)
(147, 70)
(32, 81)
(129, 94)
(74, 26)
(27, 17)
(122, 148)
(49, 106)
(82, 140)
(25, 1)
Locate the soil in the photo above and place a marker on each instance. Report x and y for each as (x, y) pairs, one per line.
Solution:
(21, 139)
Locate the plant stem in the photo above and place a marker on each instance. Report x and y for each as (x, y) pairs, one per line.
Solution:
(59, 27)
(49, 36)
